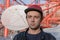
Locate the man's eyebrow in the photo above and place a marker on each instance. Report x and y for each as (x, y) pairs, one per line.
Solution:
(29, 16)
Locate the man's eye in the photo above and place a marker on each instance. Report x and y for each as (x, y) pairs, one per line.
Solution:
(36, 17)
(29, 17)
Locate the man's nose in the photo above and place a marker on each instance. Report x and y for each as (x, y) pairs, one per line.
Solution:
(32, 19)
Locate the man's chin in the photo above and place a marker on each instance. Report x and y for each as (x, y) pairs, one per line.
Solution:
(35, 28)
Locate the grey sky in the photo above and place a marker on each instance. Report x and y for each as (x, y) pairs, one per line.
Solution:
(25, 1)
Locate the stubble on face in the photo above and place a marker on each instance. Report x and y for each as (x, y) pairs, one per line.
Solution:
(33, 19)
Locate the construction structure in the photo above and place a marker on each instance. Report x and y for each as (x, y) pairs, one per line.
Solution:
(51, 10)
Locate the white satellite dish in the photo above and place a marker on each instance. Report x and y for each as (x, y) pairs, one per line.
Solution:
(14, 18)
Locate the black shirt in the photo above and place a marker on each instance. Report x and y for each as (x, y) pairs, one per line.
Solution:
(34, 36)
(40, 36)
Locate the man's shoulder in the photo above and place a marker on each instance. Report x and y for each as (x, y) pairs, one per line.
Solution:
(19, 35)
(49, 36)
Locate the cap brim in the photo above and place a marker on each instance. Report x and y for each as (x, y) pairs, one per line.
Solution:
(31, 9)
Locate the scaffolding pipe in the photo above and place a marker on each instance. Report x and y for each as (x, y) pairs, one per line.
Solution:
(6, 30)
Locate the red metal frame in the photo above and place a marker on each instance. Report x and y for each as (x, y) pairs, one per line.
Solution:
(2, 7)
(46, 20)
(6, 30)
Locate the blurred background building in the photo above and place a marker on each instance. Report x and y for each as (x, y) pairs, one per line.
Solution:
(51, 10)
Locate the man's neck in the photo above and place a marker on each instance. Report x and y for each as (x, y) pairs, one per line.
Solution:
(34, 31)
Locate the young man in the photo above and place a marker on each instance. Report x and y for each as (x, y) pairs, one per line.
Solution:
(34, 16)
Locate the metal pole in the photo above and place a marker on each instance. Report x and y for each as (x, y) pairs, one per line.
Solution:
(6, 30)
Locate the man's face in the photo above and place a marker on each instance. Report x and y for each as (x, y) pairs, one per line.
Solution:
(33, 19)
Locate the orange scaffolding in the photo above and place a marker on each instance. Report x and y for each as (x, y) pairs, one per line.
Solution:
(6, 30)
(46, 19)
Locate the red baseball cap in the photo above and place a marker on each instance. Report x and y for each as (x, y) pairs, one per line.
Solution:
(34, 8)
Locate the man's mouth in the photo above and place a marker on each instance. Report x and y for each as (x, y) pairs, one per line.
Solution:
(32, 24)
